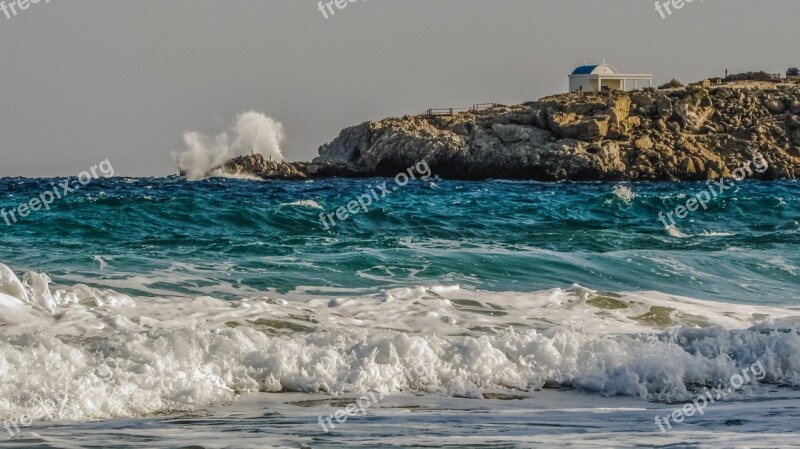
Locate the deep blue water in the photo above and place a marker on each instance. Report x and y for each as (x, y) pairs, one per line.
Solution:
(233, 238)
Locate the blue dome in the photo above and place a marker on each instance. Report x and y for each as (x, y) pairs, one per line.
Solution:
(584, 70)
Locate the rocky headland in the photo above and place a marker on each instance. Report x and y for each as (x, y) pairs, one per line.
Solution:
(699, 132)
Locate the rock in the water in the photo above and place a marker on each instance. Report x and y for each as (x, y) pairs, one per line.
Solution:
(257, 165)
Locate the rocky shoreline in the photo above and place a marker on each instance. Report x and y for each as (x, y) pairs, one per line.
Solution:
(699, 132)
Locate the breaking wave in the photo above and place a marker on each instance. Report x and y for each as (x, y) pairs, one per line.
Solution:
(100, 354)
(253, 132)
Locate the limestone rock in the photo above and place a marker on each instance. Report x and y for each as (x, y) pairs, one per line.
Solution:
(572, 126)
(520, 133)
(643, 143)
(701, 132)
(257, 165)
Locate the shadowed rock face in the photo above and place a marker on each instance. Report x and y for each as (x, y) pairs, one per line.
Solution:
(257, 165)
(696, 133)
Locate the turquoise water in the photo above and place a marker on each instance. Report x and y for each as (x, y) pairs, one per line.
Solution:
(224, 313)
(229, 238)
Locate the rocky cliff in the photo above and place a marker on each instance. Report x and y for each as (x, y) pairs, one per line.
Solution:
(695, 133)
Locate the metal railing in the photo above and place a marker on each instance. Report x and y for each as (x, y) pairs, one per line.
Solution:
(449, 112)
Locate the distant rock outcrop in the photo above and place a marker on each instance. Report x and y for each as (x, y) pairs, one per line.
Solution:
(256, 165)
(694, 133)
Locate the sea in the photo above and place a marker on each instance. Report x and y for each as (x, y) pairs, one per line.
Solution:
(224, 313)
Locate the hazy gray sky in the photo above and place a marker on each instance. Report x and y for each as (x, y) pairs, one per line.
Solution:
(86, 80)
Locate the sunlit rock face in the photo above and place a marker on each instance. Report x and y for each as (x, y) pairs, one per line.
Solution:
(695, 133)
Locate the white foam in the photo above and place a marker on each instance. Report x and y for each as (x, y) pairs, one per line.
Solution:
(101, 354)
(781, 264)
(252, 133)
(304, 203)
(673, 231)
(624, 193)
(102, 261)
(240, 176)
(717, 234)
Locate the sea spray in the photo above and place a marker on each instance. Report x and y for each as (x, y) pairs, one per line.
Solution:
(252, 133)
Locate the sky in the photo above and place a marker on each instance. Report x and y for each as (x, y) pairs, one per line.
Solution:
(123, 80)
